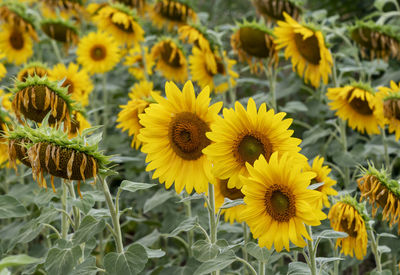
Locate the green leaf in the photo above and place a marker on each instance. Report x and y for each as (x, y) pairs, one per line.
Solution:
(157, 199)
(88, 228)
(324, 260)
(222, 261)
(135, 186)
(261, 254)
(154, 253)
(204, 251)
(294, 107)
(195, 196)
(388, 235)
(130, 262)
(331, 234)
(298, 268)
(10, 207)
(17, 260)
(62, 261)
(383, 272)
(384, 249)
(5, 272)
(231, 203)
(87, 267)
(85, 204)
(184, 226)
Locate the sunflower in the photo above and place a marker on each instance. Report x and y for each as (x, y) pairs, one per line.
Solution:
(140, 97)
(203, 72)
(376, 41)
(98, 52)
(322, 176)
(171, 61)
(174, 135)
(3, 69)
(15, 44)
(278, 203)
(221, 192)
(3, 145)
(355, 103)
(381, 191)
(5, 100)
(306, 47)
(79, 123)
(242, 136)
(136, 63)
(273, 10)
(60, 30)
(118, 20)
(347, 216)
(171, 13)
(139, 5)
(253, 42)
(195, 35)
(32, 69)
(77, 82)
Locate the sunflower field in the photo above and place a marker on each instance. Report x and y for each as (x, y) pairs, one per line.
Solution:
(192, 137)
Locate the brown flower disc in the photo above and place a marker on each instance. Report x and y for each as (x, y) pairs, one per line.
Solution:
(17, 151)
(60, 32)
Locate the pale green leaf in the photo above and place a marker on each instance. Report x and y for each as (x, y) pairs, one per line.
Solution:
(130, 262)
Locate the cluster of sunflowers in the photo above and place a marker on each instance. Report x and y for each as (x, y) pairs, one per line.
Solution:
(240, 153)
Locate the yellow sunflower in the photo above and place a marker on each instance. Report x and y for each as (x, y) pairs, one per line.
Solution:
(306, 47)
(170, 60)
(242, 136)
(355, 103)
(171, 13)
(32, 69)
(98, 52)
(221, 192)
(174, 136)
(136, 64)
(128, 118)
(15, 44)
(78, 82)
(5, 100)
(347, 216)
(194, 35)
(322, 176)
(119, 21)
(79, 123)
(3, 144)
(278, 203)
(3, 70)
(139, 5)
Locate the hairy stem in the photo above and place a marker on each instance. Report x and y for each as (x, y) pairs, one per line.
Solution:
(64, 215)
(374, 249)
(343, 137)
(311, 252)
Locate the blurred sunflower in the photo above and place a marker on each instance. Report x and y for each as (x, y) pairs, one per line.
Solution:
(196, 35)
(77, 82)
(31, 69)
(3, 131)
(355, 103)
(137, 64)
(221, 192)
(5, 100)
(60, 30)
(79, 123)
(253, 42)
(174, 135)
(278, 203)
(306, 47)
(98, 52)
(128, 118)
(62, 8)
(171, 13)
(273, 10)
(118, 20)
(347, 216)
(170, 60)
(3, 69)
(139, 5)
(322, 176)
(242, 136)
(15, 44)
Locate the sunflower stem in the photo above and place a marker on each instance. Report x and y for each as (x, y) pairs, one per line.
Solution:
(261, 268)
(77, 213)
(143, 53)
(106, 103)
(245, 240)
(246, 263)
(271, 75)
(56, 51)
(232, 93)
(211, 212)
(375, 251)
(190, 234)
(311, 252)
(64, 214)
(343, 137)
(385, 148)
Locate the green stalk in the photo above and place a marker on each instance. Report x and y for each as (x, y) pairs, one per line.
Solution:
(106, 103)
(311, 252)
(232, 93)
(143, 53)
(77, 213)
(190, 233)
(386, 153)
(271, 75)
(261, 268)
(56, 51)
(213, 224)
(374, 249)
(64, 218)
(245, 239)
(343, 137)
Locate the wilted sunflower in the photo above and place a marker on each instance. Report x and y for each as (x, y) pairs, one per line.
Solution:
(35, 97)
(31, 69)
(63, 8)
(381, 191)
(347, 216)
(174, 136)
(140, 98)
(376, 41)
(60, 30)
(76, 81)
(221, 192)
(139, 5)
(306, 47)
(278, 203)
(15, 44)
(171, 61)
(273, 9)
(355, 103)
(203, 72)
(197, 36)
(243, 136)
(98, 52)
(136, 63)
(322, 176)
(171, 13)
(119, 21)
(253, 42)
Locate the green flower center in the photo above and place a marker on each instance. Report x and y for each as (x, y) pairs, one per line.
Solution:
(250, 146)
(280, 203)
(253, 42)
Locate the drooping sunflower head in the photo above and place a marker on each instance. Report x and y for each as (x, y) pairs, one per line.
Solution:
(138, 62)
(171, 13)
(170, 59)
(222, 191)
(174, 135)
(119, 21)
(35, 97)
(15, 43)
(196, 35)
(355, 103)
(278, 203)
(31, 69)
(305, 45)
(347, 215)
(139, 5)
(65, 6)
(376, 41)
(60, 30)
(253, 42)
(128, 118)
(273, 10)
(98, 52)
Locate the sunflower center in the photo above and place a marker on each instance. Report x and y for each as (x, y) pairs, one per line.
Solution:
(170, 56)
(98, 52)
(280, 203)
(250, 146)
(68, 83)
(349, 228)
(123, 28)
(172, 10)
(187, 134)
(359, 105)
(253, 42)
(16, 39)
(391, 108)
(230, 193)
(308, 48)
